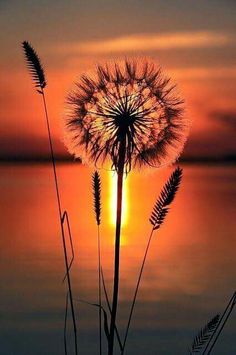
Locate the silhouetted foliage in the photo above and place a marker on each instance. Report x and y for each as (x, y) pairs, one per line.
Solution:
(97, 196)
(97, 209)
(204, 335)
(34, 65)
(166, 197)
(157, 217)
(37, 72)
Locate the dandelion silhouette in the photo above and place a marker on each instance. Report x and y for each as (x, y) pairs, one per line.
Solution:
(126, 112)
(125, 115)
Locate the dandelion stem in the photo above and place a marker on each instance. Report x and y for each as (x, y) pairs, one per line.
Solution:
(136, 291)
(109, 307)
(61, 222)
(120, 173)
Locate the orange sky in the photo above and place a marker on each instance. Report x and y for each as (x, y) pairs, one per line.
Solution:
(196, 46)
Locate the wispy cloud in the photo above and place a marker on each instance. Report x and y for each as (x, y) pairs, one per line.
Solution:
(204, 73)
(150, 42)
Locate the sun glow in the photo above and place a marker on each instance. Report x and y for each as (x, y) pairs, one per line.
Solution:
(113, 198)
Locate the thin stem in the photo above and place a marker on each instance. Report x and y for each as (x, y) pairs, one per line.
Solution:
(117, 246)
(65, 325)
(136, 291)
(109, 307)
(52, 155)
(61, 223)
(65, 217)
(99, 290)
(229, 308)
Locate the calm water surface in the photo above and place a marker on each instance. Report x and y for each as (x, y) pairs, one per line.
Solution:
(189, 276)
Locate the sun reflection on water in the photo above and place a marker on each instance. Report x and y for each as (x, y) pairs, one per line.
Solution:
(112, 203)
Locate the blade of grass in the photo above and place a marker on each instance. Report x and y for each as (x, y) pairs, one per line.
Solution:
(65, 217)
(106, 328)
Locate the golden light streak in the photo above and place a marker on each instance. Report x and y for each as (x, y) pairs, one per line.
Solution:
(112, 203)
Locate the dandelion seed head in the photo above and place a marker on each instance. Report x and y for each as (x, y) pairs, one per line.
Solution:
(128, 110)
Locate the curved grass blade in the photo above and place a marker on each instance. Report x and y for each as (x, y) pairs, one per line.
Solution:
(64, 218)
(105, 325)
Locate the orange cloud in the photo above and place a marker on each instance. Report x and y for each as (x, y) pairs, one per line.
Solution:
(204, 72)
(149, 42)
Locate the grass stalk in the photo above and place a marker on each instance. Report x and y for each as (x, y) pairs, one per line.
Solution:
(97, 209)
(157, 218)
(136, 291)
(65, 219)
(65, 325)
(224, 318)
(99, 291)
(37, 72)
(61, 224)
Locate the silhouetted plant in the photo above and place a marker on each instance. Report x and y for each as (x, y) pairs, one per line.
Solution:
(97, 210)
(38, 76)
(204, 335)
(158, 215)
(34, 64)
(223, 320)
(206, 339)
(129, 108)
(124, 116)
(167, 195)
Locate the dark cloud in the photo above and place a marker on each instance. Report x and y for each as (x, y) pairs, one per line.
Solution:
(226, 117)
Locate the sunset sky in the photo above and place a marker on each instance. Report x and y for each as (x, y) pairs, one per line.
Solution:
(194, 42)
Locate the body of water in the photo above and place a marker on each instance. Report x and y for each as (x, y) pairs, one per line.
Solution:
(189, 276)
